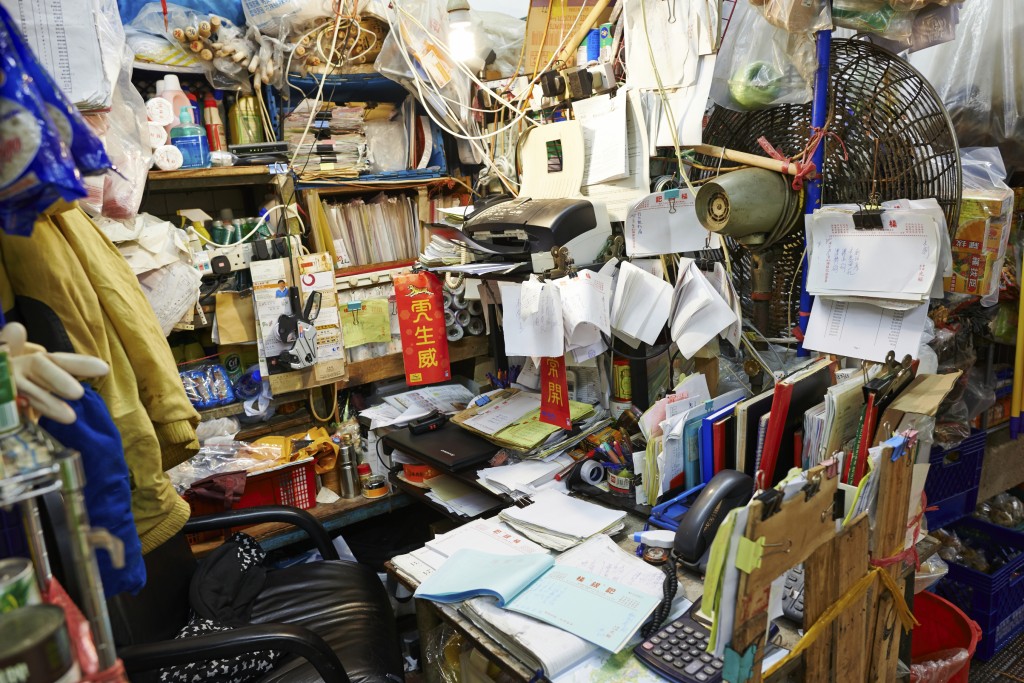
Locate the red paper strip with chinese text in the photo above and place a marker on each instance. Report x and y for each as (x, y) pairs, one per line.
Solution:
(421, 320)
(554, 393)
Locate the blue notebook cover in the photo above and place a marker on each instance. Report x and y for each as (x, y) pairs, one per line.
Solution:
(707, 440)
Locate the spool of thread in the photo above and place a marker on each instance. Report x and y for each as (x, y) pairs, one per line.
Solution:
(455, 333)
(449, 318)
(462, 318)
(459, 301)
(592, 473)
(376, 486)
(475, 307)
(475, 327)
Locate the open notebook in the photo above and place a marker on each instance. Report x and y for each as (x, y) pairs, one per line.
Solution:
(575, 594)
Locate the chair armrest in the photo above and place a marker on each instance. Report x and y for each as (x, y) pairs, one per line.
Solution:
(288, 638)
(270, 513)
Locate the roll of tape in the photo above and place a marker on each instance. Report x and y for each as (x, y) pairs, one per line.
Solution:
(459, 302)
(447, 299)
(592, 473)
(449, 318)
(475, 327)
(455, 333)
(462, 317)
(475, 307)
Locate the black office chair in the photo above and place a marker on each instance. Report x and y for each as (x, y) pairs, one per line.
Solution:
(332, 618)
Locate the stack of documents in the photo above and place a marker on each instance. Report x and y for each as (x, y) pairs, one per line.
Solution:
(641, 305)
(334, 146)
(511, 419)
(458, 497)
(400, 409)
(873, 285)
(441, 252)
(699, 311)
(560, 522)
(384, 229)
(522, 476)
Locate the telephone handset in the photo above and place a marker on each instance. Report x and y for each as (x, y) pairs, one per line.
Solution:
(697, 528)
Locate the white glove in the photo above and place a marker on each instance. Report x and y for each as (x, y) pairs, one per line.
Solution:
(48, 379)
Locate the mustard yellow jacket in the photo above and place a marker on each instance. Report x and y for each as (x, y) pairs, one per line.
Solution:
(71, 266)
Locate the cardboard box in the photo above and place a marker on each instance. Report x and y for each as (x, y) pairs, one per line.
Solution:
(563, 14)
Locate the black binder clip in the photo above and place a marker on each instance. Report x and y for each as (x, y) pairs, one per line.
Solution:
(771, 500)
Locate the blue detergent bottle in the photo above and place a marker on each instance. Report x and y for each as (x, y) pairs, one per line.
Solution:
(191, 140)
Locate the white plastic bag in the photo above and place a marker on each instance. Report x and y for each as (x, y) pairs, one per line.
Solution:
(761, 66)
(797, 16)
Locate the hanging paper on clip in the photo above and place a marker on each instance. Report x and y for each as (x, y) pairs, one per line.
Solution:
(666, 223)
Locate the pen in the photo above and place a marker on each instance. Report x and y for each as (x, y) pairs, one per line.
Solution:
(494, 381)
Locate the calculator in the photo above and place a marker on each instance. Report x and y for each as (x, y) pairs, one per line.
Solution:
(678, 650)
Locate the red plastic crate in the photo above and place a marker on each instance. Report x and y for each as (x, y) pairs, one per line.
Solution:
(293, 484)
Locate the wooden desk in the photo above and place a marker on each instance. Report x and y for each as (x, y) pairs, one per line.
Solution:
(332, 515)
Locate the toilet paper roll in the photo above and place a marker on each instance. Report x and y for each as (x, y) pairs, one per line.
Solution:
(447, 299)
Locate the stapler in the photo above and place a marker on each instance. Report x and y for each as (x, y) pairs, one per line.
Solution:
(299, 331)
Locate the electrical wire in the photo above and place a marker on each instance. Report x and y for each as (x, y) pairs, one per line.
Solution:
(669, 588)
(259, 224)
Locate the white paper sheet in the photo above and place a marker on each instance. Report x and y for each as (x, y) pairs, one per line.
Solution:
(586, 303)
(864, 331)
(619, 195)
(899, 261)
(667, 32)
(641, 305)
(666, 223)
(524, 337)
(500, 414)
(699, 313)
(603, 122)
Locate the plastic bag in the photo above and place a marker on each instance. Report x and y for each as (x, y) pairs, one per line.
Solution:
(979, 394)
(955, 351)
(208, 386)
(873, 16)
(125, 135)
(932, 25)
(796, 16)
(267, 15)
(1004, 509)
(980, 79)
(929, 573)
(218, 458)
(939, 667)
(36, 168)
(224, 52)
(760, 66)
(505, 36)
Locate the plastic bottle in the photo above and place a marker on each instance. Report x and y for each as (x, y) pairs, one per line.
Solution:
(249, 384)
(214, 125)
(246, 125)
(173, 93)
(190, 140)
(193, 102)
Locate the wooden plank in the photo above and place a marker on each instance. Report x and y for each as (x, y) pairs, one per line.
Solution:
(1003, 466)
(828, 573)
(196, 178)
(884, 628)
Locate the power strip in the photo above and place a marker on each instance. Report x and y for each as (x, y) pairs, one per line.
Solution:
(237, 257)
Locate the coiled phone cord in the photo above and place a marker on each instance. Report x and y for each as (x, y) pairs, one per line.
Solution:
(661, 612)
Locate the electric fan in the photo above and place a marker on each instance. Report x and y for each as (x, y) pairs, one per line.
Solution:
(889, 137)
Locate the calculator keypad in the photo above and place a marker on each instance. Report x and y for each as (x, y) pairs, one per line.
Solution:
(679, 652)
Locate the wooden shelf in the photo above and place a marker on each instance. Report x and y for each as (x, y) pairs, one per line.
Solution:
(199, 178)
(364, 372)
(355, 187)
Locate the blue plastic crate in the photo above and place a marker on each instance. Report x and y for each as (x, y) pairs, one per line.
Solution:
(953, 478)
(996, 600)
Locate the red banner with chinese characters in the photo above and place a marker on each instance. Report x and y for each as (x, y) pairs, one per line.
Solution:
(421, 320)
(554, 393)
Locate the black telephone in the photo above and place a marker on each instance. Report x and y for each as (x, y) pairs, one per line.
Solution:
(697, 527)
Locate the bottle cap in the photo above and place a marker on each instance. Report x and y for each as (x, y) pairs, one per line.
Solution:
(171, 82)
(363, 468)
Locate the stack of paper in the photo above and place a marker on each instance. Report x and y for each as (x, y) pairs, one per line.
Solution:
(458, 497)
(512, 419)
(814, 434)
(586, 313)
(560, 522)
(699, 312)
(384, 229)
(522, 476)
(334, 146)
(485, 535)
(641, 305)
(873, 285)
(441, 252)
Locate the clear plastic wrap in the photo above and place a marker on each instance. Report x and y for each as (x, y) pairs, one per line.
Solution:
(208, 386)
(36, 168)
(939, 667)
(1003, 509)
(222, 49)
(797, 16)
(760, 66)
(267, 15)
(979, 394)
(980, 78)
(505, 35)
(218, 458)
(873, 16)
(125, 135)
(955, 351)
(929, 573)
(441, 652)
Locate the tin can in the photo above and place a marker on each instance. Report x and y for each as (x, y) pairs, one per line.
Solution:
(622, 389)
(35, 647)
(17, 584)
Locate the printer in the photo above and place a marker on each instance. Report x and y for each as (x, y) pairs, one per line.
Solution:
(525, 229)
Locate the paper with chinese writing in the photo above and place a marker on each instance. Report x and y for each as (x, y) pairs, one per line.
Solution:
(500, 414)
(554, 395)
(527, 336)
(666, 223)
(864, 331)
(899, 261)
(368, 322)
(421, 320)
(489, 536)
(471, 573)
